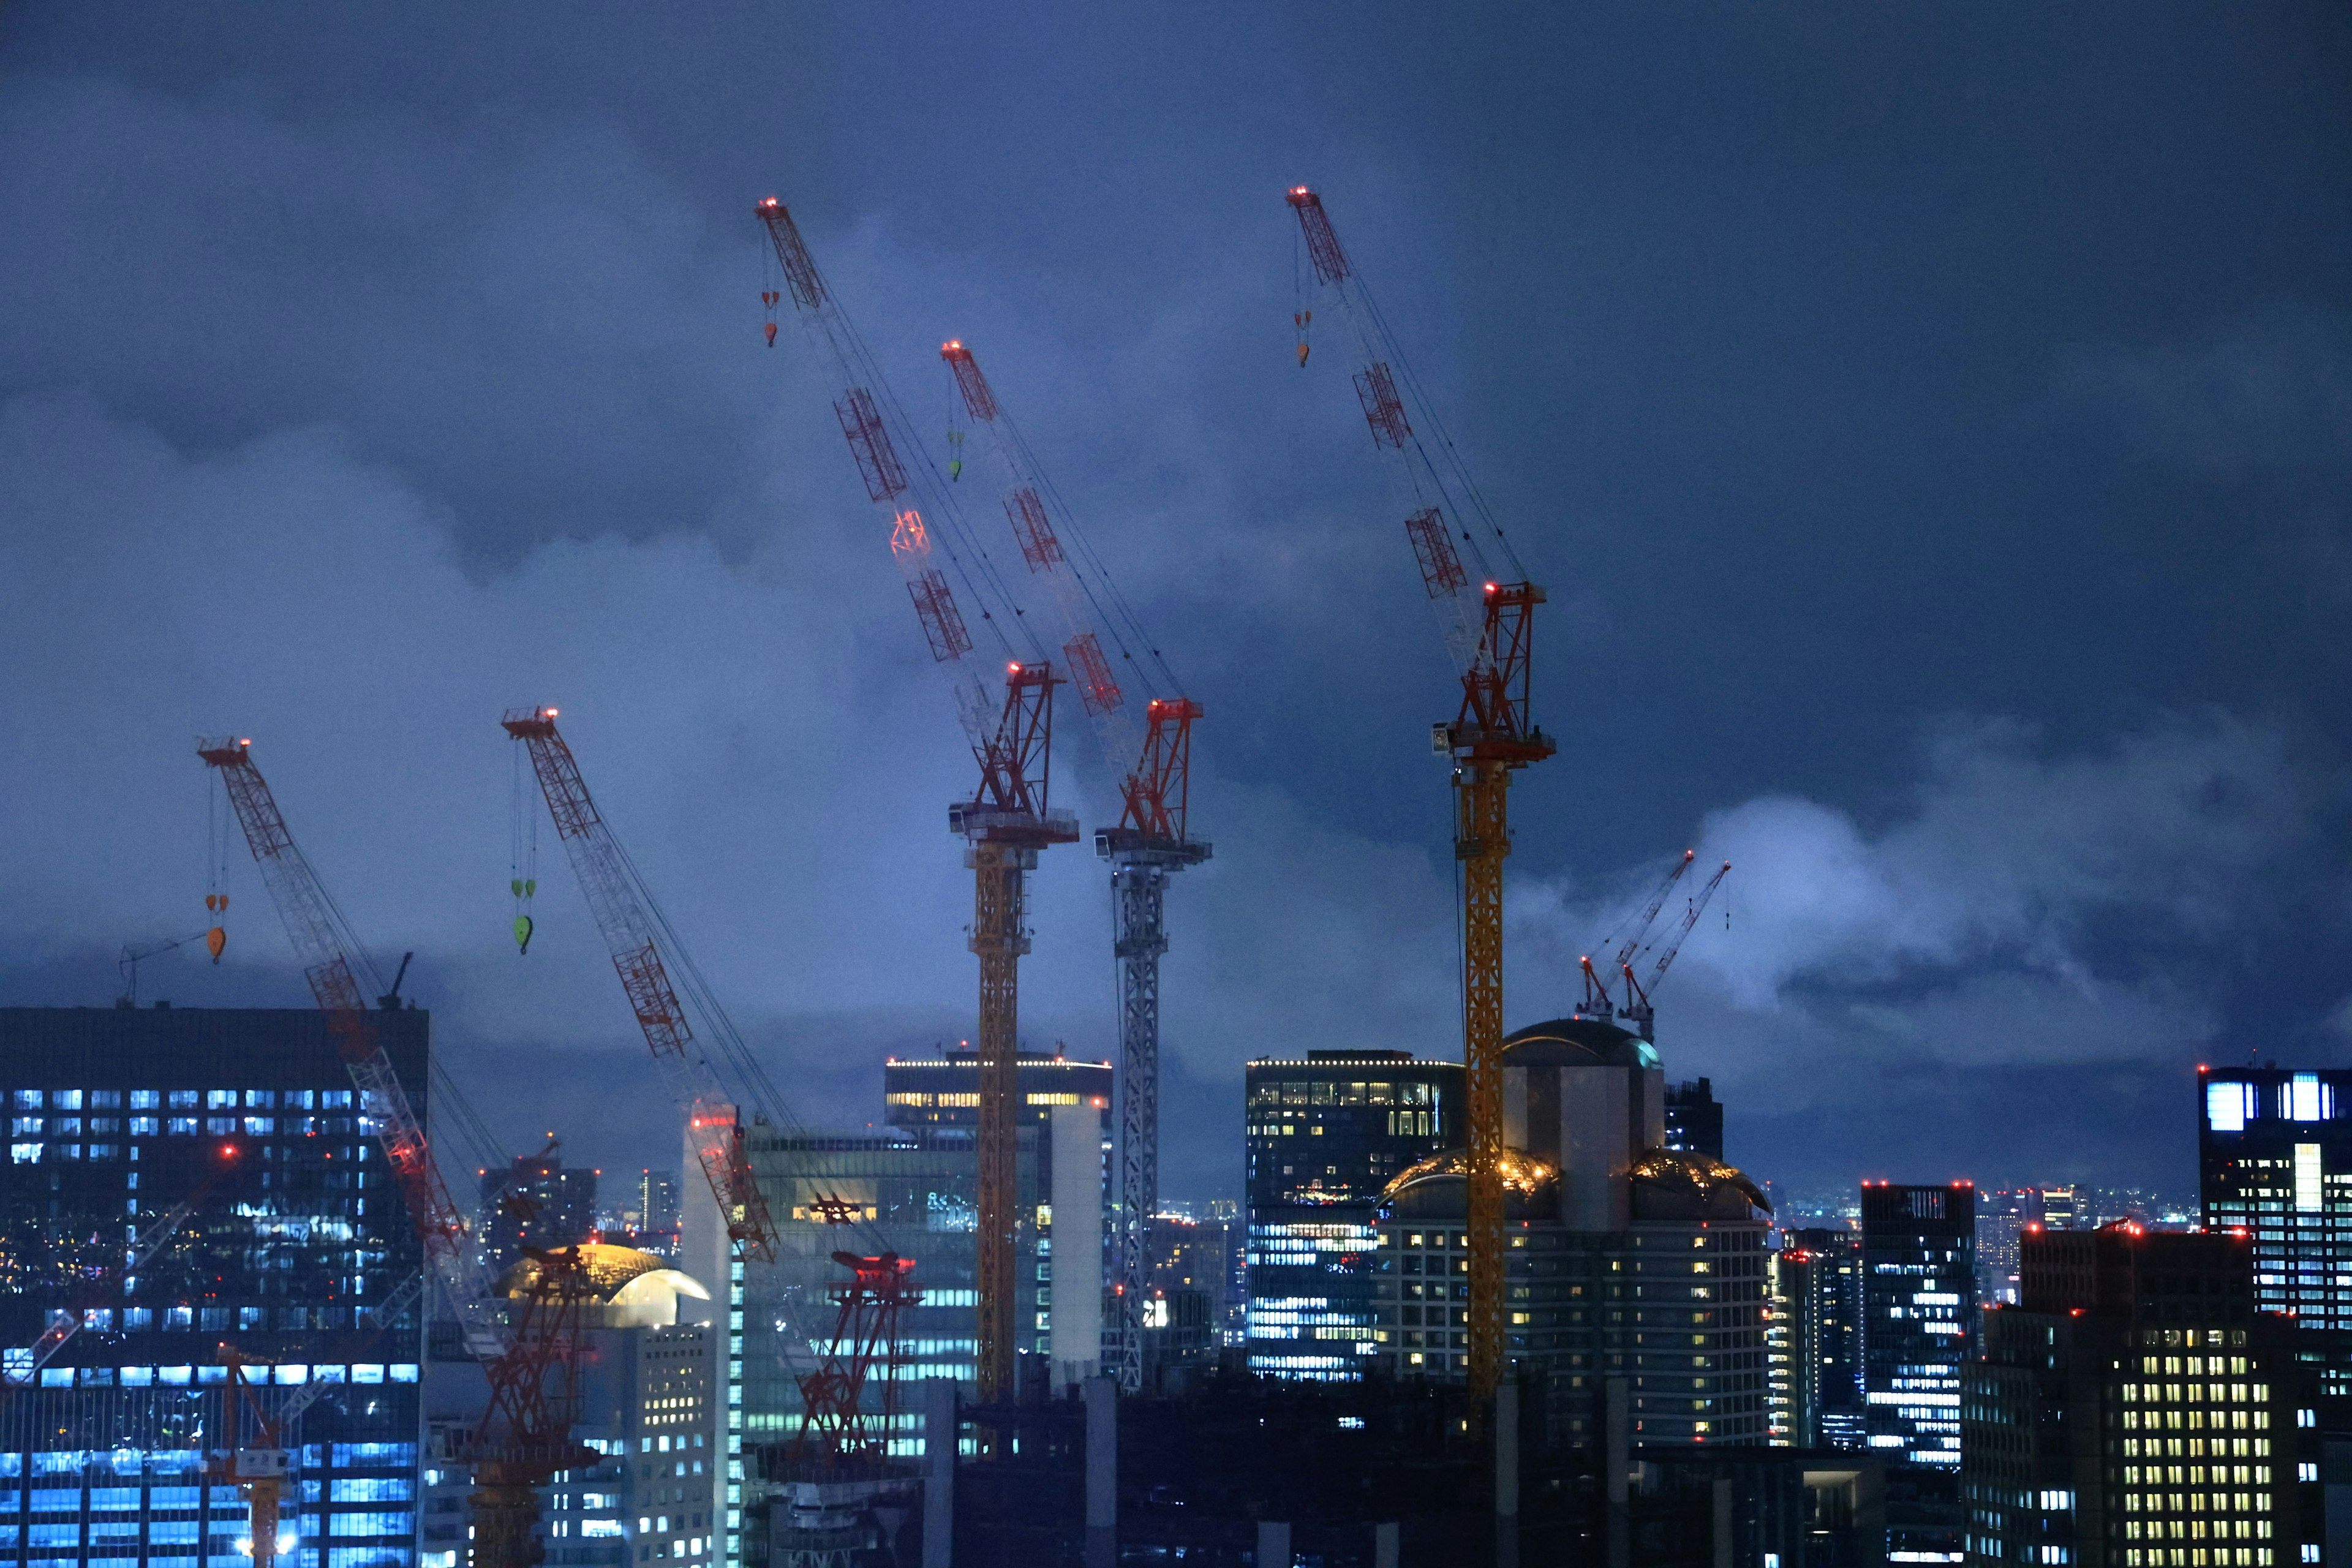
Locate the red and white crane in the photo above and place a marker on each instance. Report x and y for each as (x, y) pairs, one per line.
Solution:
(333, 962)
(1485, 608)
(508, 1470)
(1009, 817)
(635, 933)
(1153, 765)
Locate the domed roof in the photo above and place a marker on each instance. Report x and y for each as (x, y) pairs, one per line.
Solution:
(1683, 1184)
(1439, 1186)
(1579, 1041)
(609, 1269)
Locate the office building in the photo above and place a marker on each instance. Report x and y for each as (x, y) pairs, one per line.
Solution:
(648, 1403)
(913, 1193)
(943, 1090)
(2001, 1218)
(2135, 1408)
(2275, 1158)
(1326, 1133)
(650, 1221)
(1694, 1119)
(1625, 1258)
(1821, 1275)
(1919, 1317)
(1193, 1287)
(537, 1202)
(117, 1115)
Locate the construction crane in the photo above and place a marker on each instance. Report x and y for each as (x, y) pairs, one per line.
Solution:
(1487, 623)
(835, 1426)
(259, 1469)
(333, 961)
(1596, 990)
(1638, 1007)
(524, 1438)
(1151, 842)
(131, 957)
(632, 927)
(1008, 819)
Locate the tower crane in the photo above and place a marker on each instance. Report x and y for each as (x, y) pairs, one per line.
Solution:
(1637, 1007)
(1596, 990)
(628, 919)
(1008, 819)
(1488, 629)
(333, 962)
(1151, 842)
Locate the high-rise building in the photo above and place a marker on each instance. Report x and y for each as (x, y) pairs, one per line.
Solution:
(2001, 1219)
(1822, 1275)
(538, 1202)
(116, 1116)
(648, 1402)
(1695, 1119)
(1326, 1133)
(653, 1219)
(943, 1092)
(2275, 1158)
(2134, 1408)
(1919, 1318)
(1626, 1259)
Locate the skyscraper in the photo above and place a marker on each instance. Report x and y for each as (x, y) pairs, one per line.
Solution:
(2275, 1158)
(1918, 1328)
(535, 1202)
(116, 1116)
(1822, 1271)
(1325, 1134)
(2134, 1408)
(1695, 1119)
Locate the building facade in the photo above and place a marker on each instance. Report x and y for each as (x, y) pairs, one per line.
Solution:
(1919, 1271)
(2134, 1409)
(1695, 1119)
(116, 1116)
(1822, 1275)
(648, 1403)
(1325, 1134)
(1626, 1259)
(2275, 1159)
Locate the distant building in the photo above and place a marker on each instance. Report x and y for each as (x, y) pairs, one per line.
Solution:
(1694, 1119)
(1919, 1319)
(115, 1115)
(1325, 1134)
(649, 1403)
(652, 1219)
(2275, 1158)
(1820, 1273)
(943, 1092)
(2001, 1219)
(2061, 1207)
(2135, 1408)
(538, 1202)
(1626, 1259)
(1192, 1285)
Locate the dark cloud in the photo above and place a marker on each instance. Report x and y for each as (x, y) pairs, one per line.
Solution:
(368, 371)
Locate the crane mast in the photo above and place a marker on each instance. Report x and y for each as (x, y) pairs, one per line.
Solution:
(608, 881)
(1007, 820)
(1488, 631)
(327, 951)
(1149, 844)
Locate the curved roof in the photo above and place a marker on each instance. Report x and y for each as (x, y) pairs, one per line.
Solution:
(1579, 1041)
(610, 1269)
(1681, 1183)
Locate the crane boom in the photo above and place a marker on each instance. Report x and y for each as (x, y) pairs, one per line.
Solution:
(1485, 619)
(1638, 1005)
(327, 951)
(1151, 842)
(619, 907)
(1596, 990)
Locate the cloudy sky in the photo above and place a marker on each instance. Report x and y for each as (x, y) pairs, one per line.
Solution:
(1934, 426)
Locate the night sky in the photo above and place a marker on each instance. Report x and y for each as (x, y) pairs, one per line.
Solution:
(1932, 424)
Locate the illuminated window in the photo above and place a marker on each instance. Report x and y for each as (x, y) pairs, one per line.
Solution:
(2228, 1105)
